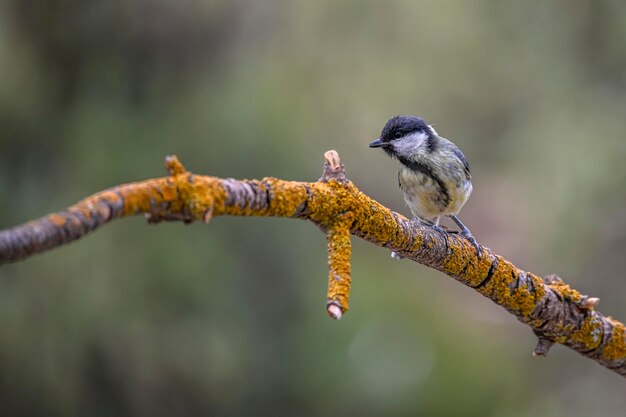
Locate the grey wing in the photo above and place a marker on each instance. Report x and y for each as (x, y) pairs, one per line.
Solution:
(462, 158)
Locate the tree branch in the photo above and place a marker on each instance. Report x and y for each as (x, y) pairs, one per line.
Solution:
(554, 311)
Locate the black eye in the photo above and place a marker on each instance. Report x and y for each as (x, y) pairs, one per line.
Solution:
(397, 135)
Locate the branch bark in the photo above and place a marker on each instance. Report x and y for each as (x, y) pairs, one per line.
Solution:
(555, 312)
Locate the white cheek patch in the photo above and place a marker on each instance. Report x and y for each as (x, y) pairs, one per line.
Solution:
(410, 144)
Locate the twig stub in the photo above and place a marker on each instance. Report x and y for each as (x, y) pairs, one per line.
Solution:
(334, 310)
(543, 346)
(173, 165)
(588, 303)
(553, 279)
(333, 168)
(557, 312)
(339, 253)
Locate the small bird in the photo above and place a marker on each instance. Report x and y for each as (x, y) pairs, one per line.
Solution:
(434, 175)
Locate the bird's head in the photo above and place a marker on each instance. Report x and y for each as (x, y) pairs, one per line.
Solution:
(406, 136)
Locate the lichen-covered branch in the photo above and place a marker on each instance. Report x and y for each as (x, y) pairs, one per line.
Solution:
(554, 311)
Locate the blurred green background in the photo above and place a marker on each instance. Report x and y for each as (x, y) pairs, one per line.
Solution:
(228, 319)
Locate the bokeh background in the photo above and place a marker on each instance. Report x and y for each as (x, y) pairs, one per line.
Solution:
(228, 319)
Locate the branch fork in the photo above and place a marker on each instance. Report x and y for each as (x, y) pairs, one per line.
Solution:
(553, 310)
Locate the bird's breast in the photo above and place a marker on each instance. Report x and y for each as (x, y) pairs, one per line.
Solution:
(422, 193)
(428, 195)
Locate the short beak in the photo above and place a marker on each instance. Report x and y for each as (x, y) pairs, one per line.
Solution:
(377, 143)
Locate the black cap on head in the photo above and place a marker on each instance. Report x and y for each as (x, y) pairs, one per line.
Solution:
(400, 126)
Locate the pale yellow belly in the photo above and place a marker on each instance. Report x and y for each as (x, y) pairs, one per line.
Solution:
(425, 198)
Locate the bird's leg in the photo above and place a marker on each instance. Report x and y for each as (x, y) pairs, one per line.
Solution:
(435, 225)
(418, 221)
(465, 232)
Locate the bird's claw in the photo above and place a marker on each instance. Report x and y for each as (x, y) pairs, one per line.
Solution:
(471, 239)
(439, 229)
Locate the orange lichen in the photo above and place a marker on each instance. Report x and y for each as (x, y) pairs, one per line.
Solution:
(173, 165)
(57, 219)
(566, 292)
(615, 349)
(338, 207)
(455, 265)
(339, 253)
(589, 333)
